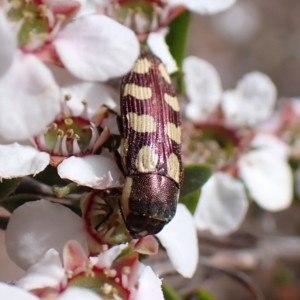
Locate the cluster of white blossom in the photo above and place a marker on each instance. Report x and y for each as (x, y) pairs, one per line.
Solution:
(257, 165)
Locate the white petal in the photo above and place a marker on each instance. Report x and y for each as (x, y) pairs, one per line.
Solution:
(194, 112)
(271, 143)
(157, 44)
(46, 272)
(203, 86)
(91, 7)
(268, 178)
(183, 252)
(106, 258)
(8, 44)
(33, 229)
(222, 205)
(95, 171)
(97, 48)
(251, 102)
(61, 75)
(149, 287)
(9, 292)
(204, 6)
(76, 293)
(17, 160)
(29, 98)
(95, 95)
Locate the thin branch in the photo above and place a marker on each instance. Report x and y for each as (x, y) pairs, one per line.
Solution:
(242, 277)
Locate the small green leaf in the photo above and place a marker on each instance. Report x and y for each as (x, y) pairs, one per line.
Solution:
(63, 191)
(7, 186)
(177, 36)
(176, 40)
(13, 202)
(203, 295)
(170, 294)
(191, 201)
(194, 177)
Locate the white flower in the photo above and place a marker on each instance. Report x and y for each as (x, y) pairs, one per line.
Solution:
(260, 159)
(29, 95)
(91, 47)
(56, 277)
(70, 141)
(179, 237)
(51, 275)
(266, 174)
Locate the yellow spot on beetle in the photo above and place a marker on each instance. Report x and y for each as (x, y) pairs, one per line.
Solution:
(173, 166)
(125, 196)
(172, 101)
(164, 73)
(142, 66)
(174, 132)
(146, 160)
(143, 123)
(138, 92)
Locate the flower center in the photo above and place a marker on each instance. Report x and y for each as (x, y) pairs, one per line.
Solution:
(110, 283)
(103, 219)
(211, 144)
(68, 136)
(31, 18)
(35, 22)
(142, 16)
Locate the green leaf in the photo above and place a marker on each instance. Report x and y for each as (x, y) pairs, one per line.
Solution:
(203, 295)
(170, 294)
(191, 201)
(13, 202)
(194, 177)
(7, 186)
(176, 40)
(177, 36)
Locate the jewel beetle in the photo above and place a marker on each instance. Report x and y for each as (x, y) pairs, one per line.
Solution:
(150, 148)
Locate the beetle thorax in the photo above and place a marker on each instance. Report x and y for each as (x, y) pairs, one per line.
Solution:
(148, 203)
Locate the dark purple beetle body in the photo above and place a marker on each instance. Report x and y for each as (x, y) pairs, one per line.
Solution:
(150, 147)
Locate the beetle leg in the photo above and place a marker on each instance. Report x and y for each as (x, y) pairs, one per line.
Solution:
(110, 208)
